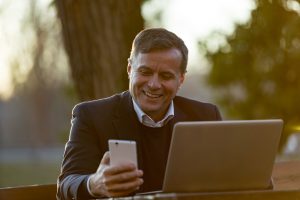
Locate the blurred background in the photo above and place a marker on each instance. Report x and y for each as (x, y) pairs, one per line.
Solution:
(244, 57)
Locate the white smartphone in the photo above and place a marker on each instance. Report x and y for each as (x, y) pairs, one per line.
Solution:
(122, 151)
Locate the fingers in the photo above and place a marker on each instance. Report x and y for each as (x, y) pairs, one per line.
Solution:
(117, 169)
(122, 177)
(122, 181)
(118, 185)
(115, 181)
(126, 186)
(124, 189)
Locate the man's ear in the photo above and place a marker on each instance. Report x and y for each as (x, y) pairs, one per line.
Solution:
(128, 70)
(129, 67)
(181, 79)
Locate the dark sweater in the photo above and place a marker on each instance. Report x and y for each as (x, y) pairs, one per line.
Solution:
(154, 146)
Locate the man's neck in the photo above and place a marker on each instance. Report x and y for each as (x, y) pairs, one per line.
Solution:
(149, 120)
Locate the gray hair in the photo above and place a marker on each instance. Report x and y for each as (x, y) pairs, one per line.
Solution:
(155, 39)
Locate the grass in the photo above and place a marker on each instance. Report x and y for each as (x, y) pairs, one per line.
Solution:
(23, 173)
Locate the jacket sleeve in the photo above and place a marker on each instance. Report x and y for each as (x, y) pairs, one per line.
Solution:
(81, 157)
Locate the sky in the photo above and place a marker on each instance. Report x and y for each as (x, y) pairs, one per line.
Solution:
(13, 40)
(190, 19)
(10, 17)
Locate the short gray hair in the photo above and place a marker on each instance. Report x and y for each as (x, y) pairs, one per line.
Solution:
(155, 39)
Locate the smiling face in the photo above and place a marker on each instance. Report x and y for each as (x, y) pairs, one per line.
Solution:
(154, 79)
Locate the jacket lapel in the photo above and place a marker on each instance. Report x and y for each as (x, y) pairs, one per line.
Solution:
(125, 120)
(179, 114)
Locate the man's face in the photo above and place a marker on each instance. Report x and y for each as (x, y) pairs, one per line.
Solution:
(154, 79)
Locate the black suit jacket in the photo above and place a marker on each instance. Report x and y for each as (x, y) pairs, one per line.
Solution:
(95, 122)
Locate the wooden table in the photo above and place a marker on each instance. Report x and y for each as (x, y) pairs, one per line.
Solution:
(286, 180)
(286, 177)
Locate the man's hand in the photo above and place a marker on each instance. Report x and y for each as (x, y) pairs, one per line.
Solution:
(115, 181)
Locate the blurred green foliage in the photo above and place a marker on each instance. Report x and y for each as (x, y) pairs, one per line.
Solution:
(256, 73)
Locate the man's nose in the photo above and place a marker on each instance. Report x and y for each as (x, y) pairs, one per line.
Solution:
(154, 82)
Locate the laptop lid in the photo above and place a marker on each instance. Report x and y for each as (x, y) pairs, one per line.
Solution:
(222, 155)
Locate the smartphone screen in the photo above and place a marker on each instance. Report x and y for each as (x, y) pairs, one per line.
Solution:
(122, 151)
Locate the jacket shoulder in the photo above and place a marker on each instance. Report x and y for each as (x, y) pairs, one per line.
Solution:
(102, 105)
(186, 102)
(197, 109)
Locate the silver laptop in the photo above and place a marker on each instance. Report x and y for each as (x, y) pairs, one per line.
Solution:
(222, 155)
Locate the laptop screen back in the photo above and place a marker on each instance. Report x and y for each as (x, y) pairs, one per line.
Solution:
(222, 155)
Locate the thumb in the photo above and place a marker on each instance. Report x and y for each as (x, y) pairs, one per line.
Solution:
(105, 159)
(104, 162)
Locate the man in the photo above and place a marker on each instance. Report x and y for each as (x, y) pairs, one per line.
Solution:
(146, 113)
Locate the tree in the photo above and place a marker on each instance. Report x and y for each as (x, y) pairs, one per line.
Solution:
(256, 74)
(97, 37)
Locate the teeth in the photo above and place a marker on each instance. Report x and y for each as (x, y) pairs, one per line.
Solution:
(152, 95)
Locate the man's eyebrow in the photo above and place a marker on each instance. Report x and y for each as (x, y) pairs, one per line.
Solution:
(143, 67)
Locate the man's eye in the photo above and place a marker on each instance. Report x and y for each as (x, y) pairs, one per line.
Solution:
(167, 76)
(145, 72)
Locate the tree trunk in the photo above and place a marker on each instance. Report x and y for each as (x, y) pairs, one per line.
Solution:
(98, 36)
